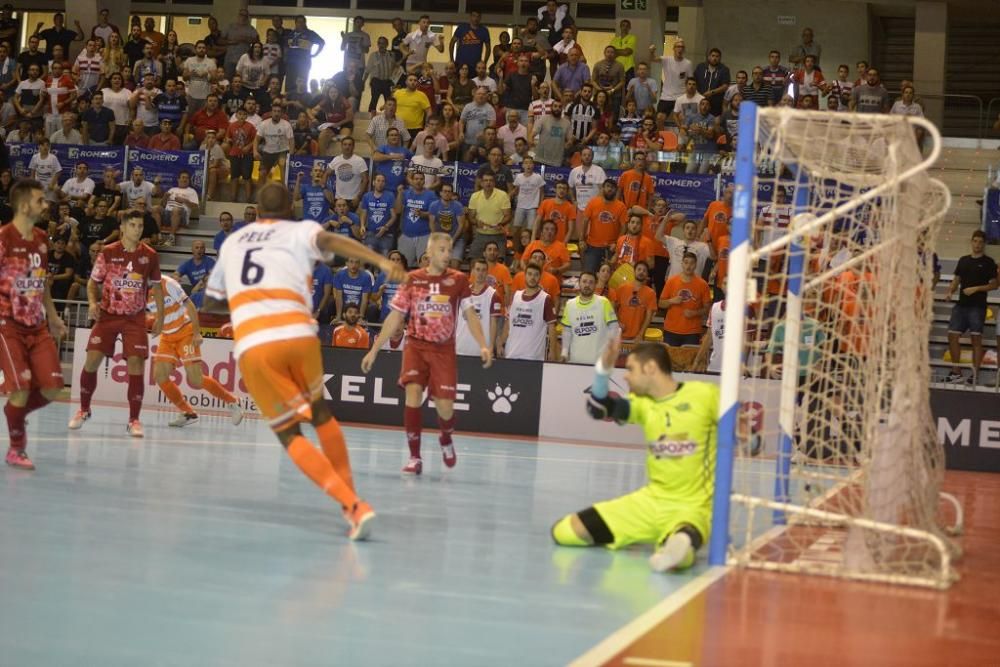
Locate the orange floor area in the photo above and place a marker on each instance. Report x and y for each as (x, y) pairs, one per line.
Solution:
(750, 618)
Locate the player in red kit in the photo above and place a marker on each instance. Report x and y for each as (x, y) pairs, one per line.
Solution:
(29, 361)
(433, 298)
(122, 275)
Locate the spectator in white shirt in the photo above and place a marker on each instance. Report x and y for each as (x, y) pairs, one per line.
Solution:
(180, 203)
(272, 142)
(67, 133)
(585, 181)
(351, 173)
(676, 71)
(415, 46)
(528, 190)
(78, 189)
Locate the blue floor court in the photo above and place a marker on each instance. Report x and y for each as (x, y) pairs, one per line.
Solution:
(206, 546)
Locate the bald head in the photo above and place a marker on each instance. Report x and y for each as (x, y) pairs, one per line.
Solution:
(274, 201)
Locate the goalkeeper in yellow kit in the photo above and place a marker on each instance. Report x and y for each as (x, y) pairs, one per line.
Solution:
(679, 419)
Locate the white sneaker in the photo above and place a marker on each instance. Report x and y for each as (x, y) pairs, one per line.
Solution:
(77, 421)
(236, 413)
(676, 552)
(134, 428)
(185, 419)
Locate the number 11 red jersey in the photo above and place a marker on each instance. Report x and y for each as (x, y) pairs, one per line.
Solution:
(432, 303)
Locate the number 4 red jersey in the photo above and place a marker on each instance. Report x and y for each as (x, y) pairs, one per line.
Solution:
(126, 276)
(23, 267)
(432, 302)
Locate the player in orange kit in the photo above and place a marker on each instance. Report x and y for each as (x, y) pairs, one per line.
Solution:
(180, 345)
(263, 272)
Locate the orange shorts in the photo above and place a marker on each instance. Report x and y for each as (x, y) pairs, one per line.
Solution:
(284, 378)
(177, 347)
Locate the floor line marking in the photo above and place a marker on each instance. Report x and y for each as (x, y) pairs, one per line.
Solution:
(639, 626)
(275, 445)
(652, 662)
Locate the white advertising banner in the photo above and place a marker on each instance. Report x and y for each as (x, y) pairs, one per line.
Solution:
(112, 377)
(563, 416)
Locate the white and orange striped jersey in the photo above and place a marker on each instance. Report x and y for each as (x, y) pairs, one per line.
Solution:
(175, 315)
(265, 272)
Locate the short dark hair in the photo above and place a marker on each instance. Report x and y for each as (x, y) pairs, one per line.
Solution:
(979, 234)
(689, 255)
(533, 265)
(643, 262)
(714, 50)
(654, 352)
(588, 273)
(480, 260)
(22, 189)
(353, 305)
(274, 200)
(132, 215)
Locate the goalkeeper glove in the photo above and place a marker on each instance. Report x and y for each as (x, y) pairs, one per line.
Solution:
(600, 408)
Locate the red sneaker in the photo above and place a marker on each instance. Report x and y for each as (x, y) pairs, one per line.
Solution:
(16, 458)
(360, 518)
(448, 454)
(413, 467)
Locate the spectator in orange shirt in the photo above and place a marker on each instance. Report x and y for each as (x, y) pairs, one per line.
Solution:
(635, 304)
(636, 186)
(600, 225)
(660, 258)
(548, 282)
(351, 334)
(499, 275)
(165, 140)
(632, 246)
(556, 254)
(686, 298)
(718, 250)
(559, 209)
(717, 213)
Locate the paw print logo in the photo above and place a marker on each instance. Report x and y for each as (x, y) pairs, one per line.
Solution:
(503, 399)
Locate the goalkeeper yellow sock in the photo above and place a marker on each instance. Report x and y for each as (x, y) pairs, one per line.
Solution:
(564, 535)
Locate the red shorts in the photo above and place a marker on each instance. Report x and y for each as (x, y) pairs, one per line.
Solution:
(430, 365)
(28, 360)
(131, 328)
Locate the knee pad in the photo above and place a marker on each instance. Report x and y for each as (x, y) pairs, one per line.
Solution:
(595, 525)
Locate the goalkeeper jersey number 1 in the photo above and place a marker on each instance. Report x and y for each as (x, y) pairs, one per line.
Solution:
(680, 432)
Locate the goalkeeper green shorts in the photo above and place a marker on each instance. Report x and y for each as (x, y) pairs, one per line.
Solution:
(644, 517)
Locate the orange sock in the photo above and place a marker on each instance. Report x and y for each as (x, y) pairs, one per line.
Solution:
(215, 389)
(320, 471)
(331, 438)
(173, 393)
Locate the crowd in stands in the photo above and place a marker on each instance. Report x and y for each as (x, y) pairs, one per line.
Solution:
(532, 101)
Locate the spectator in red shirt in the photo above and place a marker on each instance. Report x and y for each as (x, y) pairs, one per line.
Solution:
(166, 140)
(137, 138)
(209, 117)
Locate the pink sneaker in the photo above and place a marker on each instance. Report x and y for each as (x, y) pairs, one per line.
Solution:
(448, 454)
(413, 467)
(16, 458)
(134, 428)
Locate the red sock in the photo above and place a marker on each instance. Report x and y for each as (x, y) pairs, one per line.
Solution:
(15, 425)
(136, 390)
(36, 400)
(412, 423)
(217, 390)
(447, 428)
(88, 383)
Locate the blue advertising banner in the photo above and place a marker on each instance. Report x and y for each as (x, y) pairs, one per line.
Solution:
(991, 215)
(167, 165)
(302, 164)
(20, 158)
(95, 157)
(688, 193)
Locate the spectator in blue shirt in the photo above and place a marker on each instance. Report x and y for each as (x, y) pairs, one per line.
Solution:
(448, 216)
(385, 290)
(315, 197)
(322, 281)
(196, 270)
(413, 208)
(473, 42)
(173, 106)
(377, 211)
(226, 223)
(342, 221)
(352, 284)
(713, 79)
(390, 161)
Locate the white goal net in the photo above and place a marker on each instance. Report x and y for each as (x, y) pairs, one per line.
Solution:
(830, 298)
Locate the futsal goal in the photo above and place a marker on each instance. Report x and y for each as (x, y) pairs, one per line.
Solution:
(829, 298)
